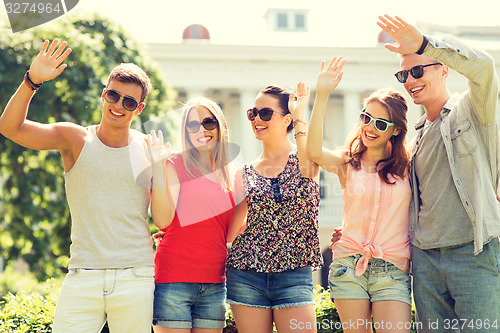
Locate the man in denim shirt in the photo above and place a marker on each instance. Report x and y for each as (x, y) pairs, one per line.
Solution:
(454, 214)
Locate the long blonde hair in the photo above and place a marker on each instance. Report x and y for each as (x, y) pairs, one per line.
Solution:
(220, 157)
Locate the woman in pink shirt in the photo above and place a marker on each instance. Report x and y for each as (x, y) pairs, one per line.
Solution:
(369, 274)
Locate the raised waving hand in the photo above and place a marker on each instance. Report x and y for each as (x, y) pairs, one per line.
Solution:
(407, 37)
(329, 78)
(298, 101)
(48, 64)
(157, 150)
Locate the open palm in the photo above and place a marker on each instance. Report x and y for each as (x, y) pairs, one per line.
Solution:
(329, 78)
(299, 100)
(406, 36)
(48, 64)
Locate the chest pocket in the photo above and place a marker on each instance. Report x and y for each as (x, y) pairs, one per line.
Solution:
(464, 138)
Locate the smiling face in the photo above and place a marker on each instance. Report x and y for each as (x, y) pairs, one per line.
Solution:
(114, 113)
(371, 137)
(202, 138)
(278, 123)
(431, 87)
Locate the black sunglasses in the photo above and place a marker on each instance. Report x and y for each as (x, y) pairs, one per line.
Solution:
(207, 123)
(129, 103)
(265, 114)
(417, 72)
(380, 124)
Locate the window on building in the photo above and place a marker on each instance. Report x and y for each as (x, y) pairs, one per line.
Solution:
(282, 21)
(293, 20)
(300, 21)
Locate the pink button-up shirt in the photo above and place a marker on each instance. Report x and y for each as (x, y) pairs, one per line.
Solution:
(375, 221)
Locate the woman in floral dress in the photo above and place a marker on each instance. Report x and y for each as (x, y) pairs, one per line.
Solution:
(269, 275)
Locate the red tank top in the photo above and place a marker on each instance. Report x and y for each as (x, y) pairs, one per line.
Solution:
(194, 246)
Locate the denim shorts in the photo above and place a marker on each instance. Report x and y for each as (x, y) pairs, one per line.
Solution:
(187, 305)
(382, 281)
(270, 290)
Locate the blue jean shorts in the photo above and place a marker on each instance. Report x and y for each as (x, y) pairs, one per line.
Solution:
(187, 305)
(382, 281)
(270, 290)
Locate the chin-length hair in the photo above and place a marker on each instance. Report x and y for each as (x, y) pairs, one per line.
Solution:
(219, 154)
(397, 164)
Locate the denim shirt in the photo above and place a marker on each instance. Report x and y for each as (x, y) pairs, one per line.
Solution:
(470, 134)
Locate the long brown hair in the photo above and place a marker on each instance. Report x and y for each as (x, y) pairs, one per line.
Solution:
(398, 162)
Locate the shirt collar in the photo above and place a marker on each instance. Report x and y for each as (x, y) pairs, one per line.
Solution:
(448, 106)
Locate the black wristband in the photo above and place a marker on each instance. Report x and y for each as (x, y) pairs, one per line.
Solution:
(423, 46)
(36, 86)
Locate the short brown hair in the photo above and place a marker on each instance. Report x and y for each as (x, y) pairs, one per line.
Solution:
(131, 73)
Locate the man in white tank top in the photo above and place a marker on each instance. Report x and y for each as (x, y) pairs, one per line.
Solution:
(107, 182)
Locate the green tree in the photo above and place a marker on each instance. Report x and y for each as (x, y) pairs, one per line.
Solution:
(34, 215)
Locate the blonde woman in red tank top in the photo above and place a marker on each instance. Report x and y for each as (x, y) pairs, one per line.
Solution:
(192, 203)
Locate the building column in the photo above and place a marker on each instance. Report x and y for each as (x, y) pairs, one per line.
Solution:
(243, 133)
(352, 106)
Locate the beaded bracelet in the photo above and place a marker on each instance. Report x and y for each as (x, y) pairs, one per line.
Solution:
(299, 134)
(299, 121)
(30, 83)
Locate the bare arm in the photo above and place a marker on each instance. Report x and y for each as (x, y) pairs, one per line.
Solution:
(238, 223)
(297, 105)
(239, 218)
(47, 65)
(328, 80)
(166, 187)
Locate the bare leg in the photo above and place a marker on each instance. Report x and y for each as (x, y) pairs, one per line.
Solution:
(391, 317)
(355, 315)
(206, 330)
(295, 319)
(251, 319)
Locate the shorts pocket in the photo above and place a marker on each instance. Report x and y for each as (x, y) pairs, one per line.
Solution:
(338, 268)
(399, 276)
(338, 272)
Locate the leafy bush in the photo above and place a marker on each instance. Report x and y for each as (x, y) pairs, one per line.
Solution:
(28, 312)
(33, 312)
(12, 281)
(327, 318)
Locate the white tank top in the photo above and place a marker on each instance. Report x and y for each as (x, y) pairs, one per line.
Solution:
(108, 192)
